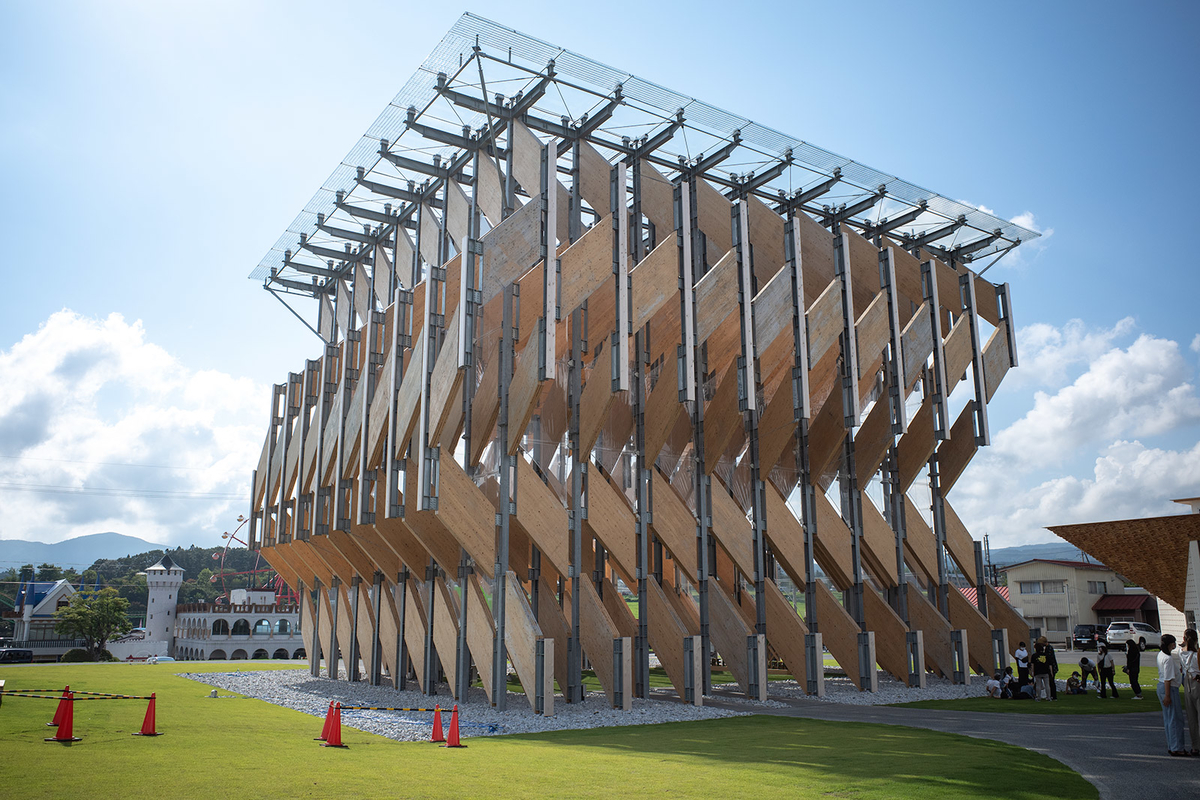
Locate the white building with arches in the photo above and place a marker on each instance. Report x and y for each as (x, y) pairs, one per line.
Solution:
(251, 626)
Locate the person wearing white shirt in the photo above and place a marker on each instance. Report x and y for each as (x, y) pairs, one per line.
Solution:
(993, 686)
(1022, 656)
(1170, 671)
(1191, 687)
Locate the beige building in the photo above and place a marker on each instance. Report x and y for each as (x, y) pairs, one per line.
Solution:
(1058, 595)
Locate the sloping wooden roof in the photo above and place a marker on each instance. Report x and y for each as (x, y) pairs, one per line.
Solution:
(1152, 551)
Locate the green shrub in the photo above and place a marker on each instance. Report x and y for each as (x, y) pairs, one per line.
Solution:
(76, 655)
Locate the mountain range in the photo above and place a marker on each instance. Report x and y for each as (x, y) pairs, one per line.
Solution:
(80, 552)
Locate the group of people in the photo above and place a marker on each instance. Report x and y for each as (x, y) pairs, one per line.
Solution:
(1035, 675)
(1180, 669)
(1177, 669)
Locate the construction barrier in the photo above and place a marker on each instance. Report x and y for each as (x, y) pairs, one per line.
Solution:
(64, 714)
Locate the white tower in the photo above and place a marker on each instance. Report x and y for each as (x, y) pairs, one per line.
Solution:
(163, 580)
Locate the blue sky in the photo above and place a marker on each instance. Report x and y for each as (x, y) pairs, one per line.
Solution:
(153, 152)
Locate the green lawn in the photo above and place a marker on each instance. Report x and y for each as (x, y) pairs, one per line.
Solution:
(254, 749)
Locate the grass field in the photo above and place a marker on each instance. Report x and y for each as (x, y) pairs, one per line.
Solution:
(219, 747)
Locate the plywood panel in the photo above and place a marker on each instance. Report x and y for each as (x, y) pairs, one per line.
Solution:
(732, 529)
(445, 630)
(816, 250)
(766, 236)
(458, 212)
(597, 631)
(521, 634)
(979, 631)
(624, 620)
(986, 303)
(674, 524)
(825, 321)
(379, 413)
(872, 441)
(594, 175)
(662, 410)
(776, 428)
(554, 626)
(891, 648)
(654, 282)
(874, 333)
(864, 268)
(722, 419)
(415, 621)
(542, 516)
(490, 192)
(786, 535)
(728, 632)
(666, 632)
(596, 399)
(917, 445)
(430, 232)
(468, 514)
(587, 265)
(481, 632)
(831, 545)
(716, 296)
(916, 343)
(408, 399)
(956, 452)
(611, 520)
(485, 407)
(960, 544)
(773, 310)
(715, 218)
(444, 383)
(939, 652)
(786, 632)
(996, 359)
(920, 545)
(908, 280)
(957, 352)
(826, 434)
(511, 249)
(839, 633)
(523, 394)
(658, 203)
(396, 534)
(527, 169)
(878, 545)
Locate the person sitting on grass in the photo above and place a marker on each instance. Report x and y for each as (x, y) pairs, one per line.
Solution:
(1086, 668)
(1073, 686)
(993, 686)
(1008, 684)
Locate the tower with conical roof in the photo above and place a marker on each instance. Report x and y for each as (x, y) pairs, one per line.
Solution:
(163, 581)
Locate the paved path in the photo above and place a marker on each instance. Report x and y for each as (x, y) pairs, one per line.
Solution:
(1123, 755)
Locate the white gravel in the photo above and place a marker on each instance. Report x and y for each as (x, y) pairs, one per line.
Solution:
(839, 689)
(298, 690)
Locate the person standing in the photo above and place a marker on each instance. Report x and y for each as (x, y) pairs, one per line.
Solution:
(1169, 673)
(1022, 656)
(1190, 670)
(1108, 669)
(1053, 660)
(1041, 672)
(1133, 665)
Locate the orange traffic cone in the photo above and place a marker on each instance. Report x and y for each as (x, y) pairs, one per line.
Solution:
(452, 740)
(335, 729)
(66, 727)
(436, 735)
(328, 722)
(148, 722)
(62, 708)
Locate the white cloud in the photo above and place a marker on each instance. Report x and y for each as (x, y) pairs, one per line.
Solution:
(1196, 344)
(1126, 394)
(83, 398)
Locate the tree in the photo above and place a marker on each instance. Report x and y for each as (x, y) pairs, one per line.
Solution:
(94, 617)
(48, 572)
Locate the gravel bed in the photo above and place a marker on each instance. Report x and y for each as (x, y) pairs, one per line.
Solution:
(297, 689)
(839, 689)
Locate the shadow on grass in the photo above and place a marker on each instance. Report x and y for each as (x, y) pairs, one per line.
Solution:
(859, 758)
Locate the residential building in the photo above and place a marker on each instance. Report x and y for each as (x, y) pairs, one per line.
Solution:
(33, 613)
(1055, 595)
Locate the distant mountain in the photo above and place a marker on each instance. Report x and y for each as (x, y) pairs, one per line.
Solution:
(1061, 551)
(80, 552)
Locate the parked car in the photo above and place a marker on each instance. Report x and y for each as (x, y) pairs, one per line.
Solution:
(1121, 632)
(1088, 637)
(14, 656)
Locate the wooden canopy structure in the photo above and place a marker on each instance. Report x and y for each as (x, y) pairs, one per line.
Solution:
(584, 395)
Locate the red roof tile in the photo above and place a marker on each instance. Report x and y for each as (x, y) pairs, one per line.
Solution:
(1121, 602)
